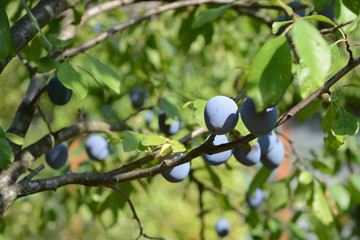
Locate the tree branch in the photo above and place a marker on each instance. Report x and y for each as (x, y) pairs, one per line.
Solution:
(23, 31)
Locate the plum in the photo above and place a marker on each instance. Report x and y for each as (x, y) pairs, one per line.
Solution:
(248, 155)
(168, 129)
(275, 156)
(57, 92)
(97, 147)
(57, 156)
(221, 157)
(256, 200)
(222, 227)
(221, 115)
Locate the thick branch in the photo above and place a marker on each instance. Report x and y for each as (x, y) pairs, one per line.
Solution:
(96, 179)
(24, 30)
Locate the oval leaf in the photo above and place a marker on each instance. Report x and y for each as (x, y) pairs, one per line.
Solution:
(210, 15)
(320, 206)
(6, 155)
(72, 79)
(103, 73)
(344, 123)
(313, 50)
(270, 73)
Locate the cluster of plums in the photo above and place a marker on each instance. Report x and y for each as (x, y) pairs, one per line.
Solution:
(96, 147)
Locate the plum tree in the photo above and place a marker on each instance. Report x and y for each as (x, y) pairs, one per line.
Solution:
(221, 157)
(168, 129)
(57, 92)
(222, 227)
(275, 156)
(258, 123)
(267, 142)
(138, 97)
(221, 114)
(97, 147)
(248, 155)
(256, 200)
(57, 156)
(177, 174)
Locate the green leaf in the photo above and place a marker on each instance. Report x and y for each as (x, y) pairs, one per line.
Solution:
(341, 196)
(320, 206)
(5, 33)
(270, 73)
(153, 140)
(313, 50)
(302, 195)
(103, 73)
(305, 177)
(296, 232)
(15, 138)
(177, 146)
(279, 196)
(199, 105)
(47, 44)
(6, 154)
(72, 80)
(209, 15)
(307, 85)
(58, 42)
(277, 25)
(321, 4)
(309, 110)
(328, 119)
(47, 64)
(171, 111)
(344, 123)
(131, 140)
(355, 182)
(333, 141)
(213, 177)
(259, 179)
(342, 11)
(322, 167)
(166, 149)
(319, 18)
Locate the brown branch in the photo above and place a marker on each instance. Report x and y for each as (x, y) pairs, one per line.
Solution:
(32, 70)
(141, 226)
(106, 178)
(334, 29)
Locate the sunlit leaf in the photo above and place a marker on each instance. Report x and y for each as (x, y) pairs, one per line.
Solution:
(345, 123)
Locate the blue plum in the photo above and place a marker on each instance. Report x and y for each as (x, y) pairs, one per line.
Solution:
(275, 156)
(248, 155)
(222, 227)
(221, 157)
(221, 115)
(256, 200)
(178, 173)
(329, 13)
(267, 142)
(57, 156)
(168, 129)
(138, 97)
(97, 147)
(57, 92)
(258, 123)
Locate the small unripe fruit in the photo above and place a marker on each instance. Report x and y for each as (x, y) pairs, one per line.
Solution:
(258, 123)
(97, 147)
(275, 156)
(248, 155)
(57, 156)
(168, 129)
(223, 227)
(221, 157)
(57, 92)
(221, 115)
(256, 200)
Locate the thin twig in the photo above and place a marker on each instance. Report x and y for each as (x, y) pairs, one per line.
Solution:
(240, 96)
(335, 28)
(34, 172)
(136, 217)
(44, 118)
(32, 70)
